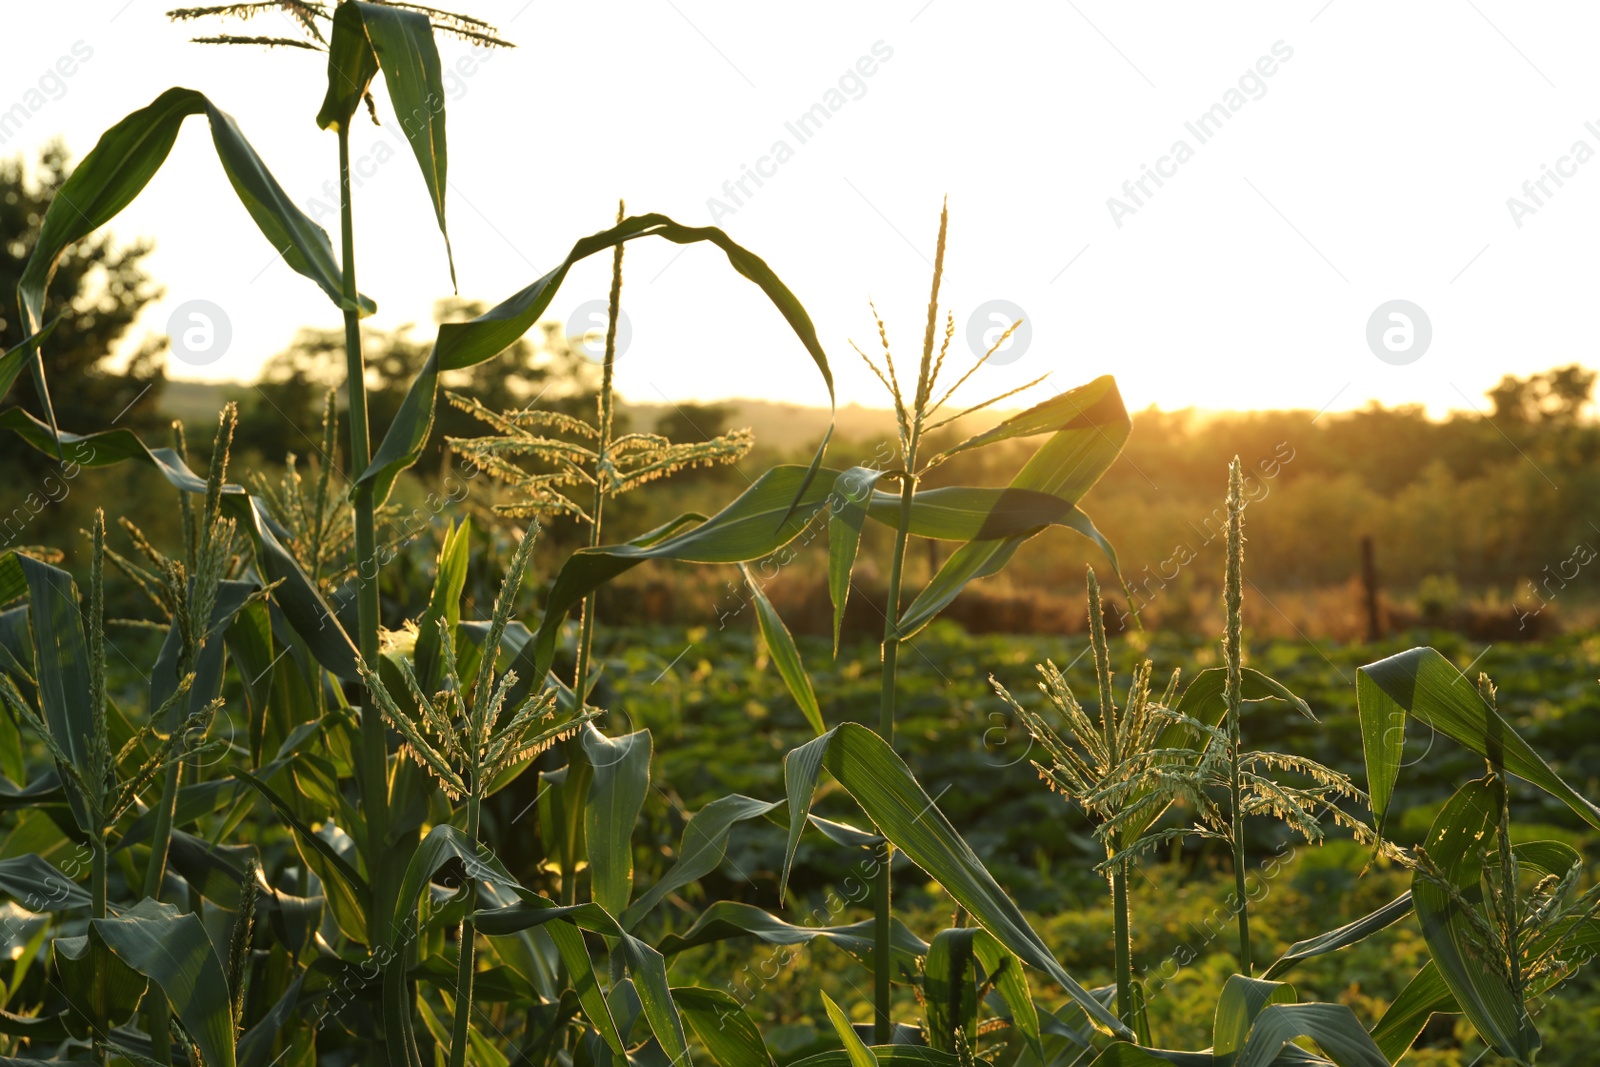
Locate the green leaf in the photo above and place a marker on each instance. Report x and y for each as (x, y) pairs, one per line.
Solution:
(904, 813)
(174, 951)
(621, 783)
(1011, 982)
(763, 518)
(888, 1056)
(368, 38)
(1343, 937)
(1424, 684)
(785, 655)
(1090, 407)
(102, 989)
(465, 344)
(975, 513)
(949, 989)
(847, 504)
(860, 1055)
(705, 842)
(122, 163)
(1485, 996)
(1334, 1027)
(723, 1026)
(299, 599)
(61, 658)
(445, 604)
(728, 919)
(1241, 1001)
(1424, 995)
(1091, 424)
(33, 883)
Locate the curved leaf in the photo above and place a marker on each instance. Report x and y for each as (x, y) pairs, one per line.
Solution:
(705, 842)
(173, 950)
(1333, 1027)
(368, 38)
(854, 1048)
(950, 991)
(1424, 684)
(847, 514)
(1345, 936)
(621, 782)
(1241, 1001)
(723, 1026)
(904, 813)
(122, 163)
(1424, 995)
(729, 919)
(785, 654)
(466, 344)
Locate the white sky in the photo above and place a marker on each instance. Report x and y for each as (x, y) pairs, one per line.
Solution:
(1376, 166)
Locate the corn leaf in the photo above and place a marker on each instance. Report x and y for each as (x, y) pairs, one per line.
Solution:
(444, 604)
(1333, 1027)
(1424, 995)
(621, 782)
(723, 1026)
(856, 1049)
(1484, 994)
(466, 344)
(728, 920)
(368, 38)
(1345, 936)
(1423, 684)
(785, 654)
(897, 804)
(950, 991)
(847, 504)
(705, 842)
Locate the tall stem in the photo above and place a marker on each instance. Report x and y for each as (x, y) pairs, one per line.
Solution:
(372, 766)
(464, 971)
(882, 970)
(1234, 596)
(1124, 945)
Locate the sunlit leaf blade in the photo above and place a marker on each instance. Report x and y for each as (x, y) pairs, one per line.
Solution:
(852, 489)
(443, 605)
(728, 920)
(1485, 996)
(1424, 995)
(1241, 1001)
(886, 1056)
(124, 160)
(1334, 1027)
(371, 37)
(860, 1055)
(1422, 683)
(466, 344)
(1011, 983)
(721, 1023)
(973, 513)
(1090, 406)
(173, 950)
(904, 813)
(621, 782)
(752, 526)
(949, 989)
(705, 842)
(301, 602)
(785, 654)
(1345, 936)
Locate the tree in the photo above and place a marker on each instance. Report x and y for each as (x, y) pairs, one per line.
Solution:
(99, 290)
(1556, 396)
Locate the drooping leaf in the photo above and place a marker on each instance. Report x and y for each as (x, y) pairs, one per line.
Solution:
(785, 654)
(124, 160)
(1349, 934)
(728, 919)
(1241, 1001)
(1424, 684)
(1334, 1027)
(897, 804)
(466, 344)
(368, 38)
